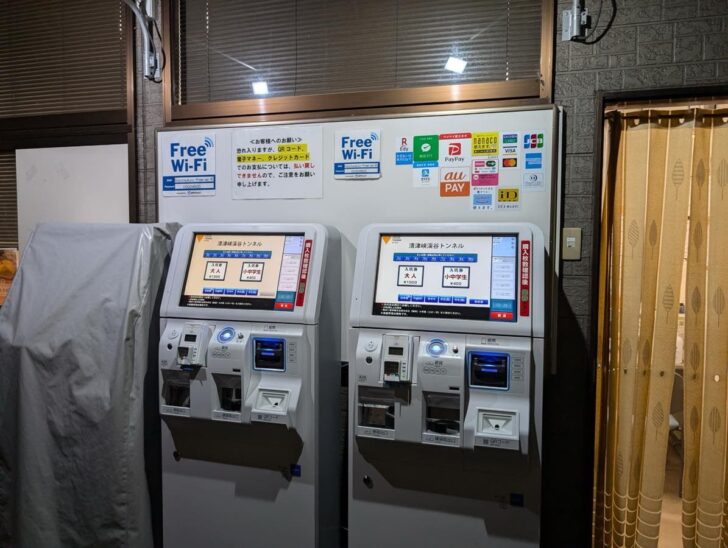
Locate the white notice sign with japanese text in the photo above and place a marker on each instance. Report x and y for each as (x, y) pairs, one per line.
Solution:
(277, 162)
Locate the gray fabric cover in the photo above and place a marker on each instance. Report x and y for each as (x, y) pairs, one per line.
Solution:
(74, 333)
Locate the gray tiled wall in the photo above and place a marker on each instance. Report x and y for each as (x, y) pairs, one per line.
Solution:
(149, 116)
(652, 44)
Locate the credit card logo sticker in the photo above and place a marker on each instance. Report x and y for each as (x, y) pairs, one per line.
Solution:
(534, 160)
(532, 140)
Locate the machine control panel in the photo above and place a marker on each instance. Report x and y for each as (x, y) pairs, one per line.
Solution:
(463, 390)
(234, 372)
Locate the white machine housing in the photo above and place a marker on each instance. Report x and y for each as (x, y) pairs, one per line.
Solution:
(250, 397)
(445, 414)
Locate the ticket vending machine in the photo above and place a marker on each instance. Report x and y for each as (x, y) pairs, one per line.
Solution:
(446, 376)
(249, 374)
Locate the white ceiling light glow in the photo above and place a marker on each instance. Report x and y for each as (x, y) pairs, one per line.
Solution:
(455, 64)
(260, 88)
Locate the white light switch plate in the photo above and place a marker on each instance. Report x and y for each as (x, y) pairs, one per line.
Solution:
(571, 244)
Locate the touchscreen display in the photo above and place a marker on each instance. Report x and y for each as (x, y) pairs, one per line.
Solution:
(453, 276)
(254, 271)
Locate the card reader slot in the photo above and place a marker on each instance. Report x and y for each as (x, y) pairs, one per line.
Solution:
(269, 354)
(489, 370)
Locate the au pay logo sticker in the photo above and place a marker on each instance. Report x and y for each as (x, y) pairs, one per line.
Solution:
(454, 182)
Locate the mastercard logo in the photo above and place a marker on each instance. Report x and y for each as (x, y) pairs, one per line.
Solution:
(510, 162)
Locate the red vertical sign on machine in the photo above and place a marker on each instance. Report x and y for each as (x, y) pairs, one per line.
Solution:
(525, 275)
(303, 278)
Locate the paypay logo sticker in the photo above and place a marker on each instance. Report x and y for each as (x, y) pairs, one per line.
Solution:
(188, 166)
(454, 149)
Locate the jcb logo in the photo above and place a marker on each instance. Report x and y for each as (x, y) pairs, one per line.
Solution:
(508, 194)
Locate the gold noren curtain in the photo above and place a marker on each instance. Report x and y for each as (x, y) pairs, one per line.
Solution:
(664, 264)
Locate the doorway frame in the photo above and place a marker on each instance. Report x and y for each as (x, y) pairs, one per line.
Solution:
(661, 97)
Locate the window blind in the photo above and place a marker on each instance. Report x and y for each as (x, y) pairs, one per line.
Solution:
(308, 47)
(8, 201)
(61, 57)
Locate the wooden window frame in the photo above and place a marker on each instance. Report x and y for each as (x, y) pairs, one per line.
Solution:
(401, 100)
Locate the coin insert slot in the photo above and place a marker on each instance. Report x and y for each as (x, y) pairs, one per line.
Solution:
(442, 415)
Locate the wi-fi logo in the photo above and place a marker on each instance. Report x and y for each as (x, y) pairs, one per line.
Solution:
(209, 143)
(374, 136)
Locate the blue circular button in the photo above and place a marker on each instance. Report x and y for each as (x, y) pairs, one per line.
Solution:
(226, 335)
(436, 347)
